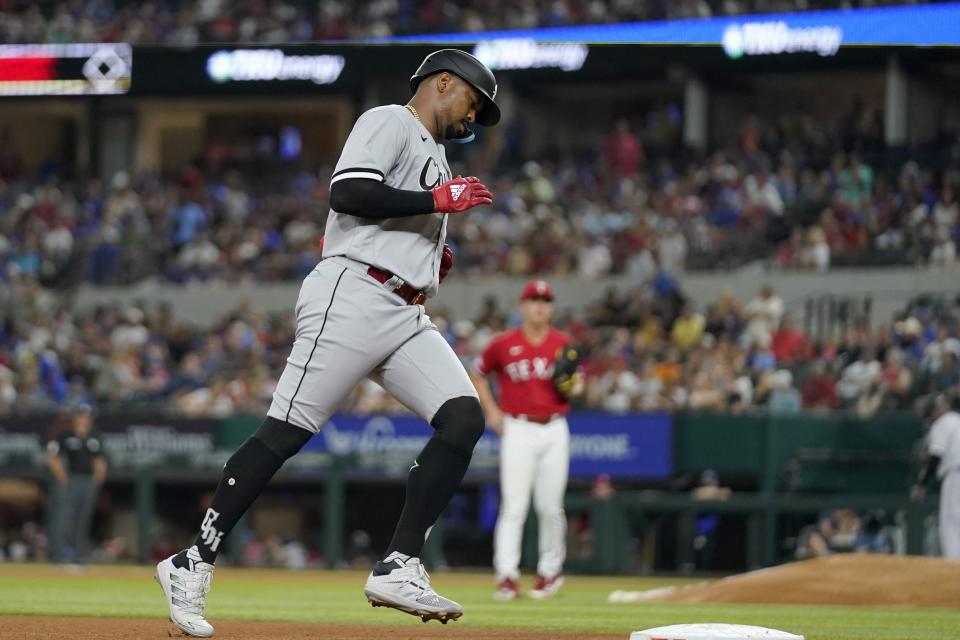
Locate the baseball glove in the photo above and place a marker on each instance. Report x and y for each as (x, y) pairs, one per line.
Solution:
(566, 369)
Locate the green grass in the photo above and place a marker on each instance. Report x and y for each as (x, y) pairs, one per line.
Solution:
(336, 597)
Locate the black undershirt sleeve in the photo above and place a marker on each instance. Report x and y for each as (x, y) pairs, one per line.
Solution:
(367, 198)
(928, 471)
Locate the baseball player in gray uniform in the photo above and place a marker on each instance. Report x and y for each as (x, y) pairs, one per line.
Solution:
(360, 314)
(943, 461)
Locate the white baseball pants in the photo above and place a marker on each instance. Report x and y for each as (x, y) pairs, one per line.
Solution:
(534, 460)
(950, 515)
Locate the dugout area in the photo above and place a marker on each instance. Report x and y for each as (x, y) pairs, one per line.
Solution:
(783, 472)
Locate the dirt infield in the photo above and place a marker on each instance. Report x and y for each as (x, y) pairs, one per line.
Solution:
(45, 628)
(856, 579)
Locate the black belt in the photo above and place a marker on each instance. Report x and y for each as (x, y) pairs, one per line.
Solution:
(404, 290)
(539, 419)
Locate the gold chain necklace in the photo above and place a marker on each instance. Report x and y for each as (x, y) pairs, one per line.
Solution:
(413, 110)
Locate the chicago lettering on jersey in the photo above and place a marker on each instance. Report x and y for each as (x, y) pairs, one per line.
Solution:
(431, 175)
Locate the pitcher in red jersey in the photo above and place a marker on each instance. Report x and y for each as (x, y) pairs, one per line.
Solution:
(535, 440)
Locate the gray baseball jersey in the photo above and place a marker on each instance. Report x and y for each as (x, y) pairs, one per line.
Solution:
(349, 325)
(389, 145)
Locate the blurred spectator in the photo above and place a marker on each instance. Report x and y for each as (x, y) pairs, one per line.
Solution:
(763, 313)
(873, 536)
(707, 524)
(870, 400)
(856, 181)
(195, 21)
(645, 349)
(668, 369)
(859, 376)
(946, 211)
(794, 253)
(725, 317)
(705, 394)
(600, 210)
(814, 540)
(762, 197)
(788, 343)
(618, 390)
(784, 398)
(935, 351)
(816, 253)
(623, 151)
(842, 530)
(602, 487)
(672, 249)
(944, 252)
(897, 381)
(820, 389)
(8, 390)
(947, 376)
(687, 329)
(649, 388)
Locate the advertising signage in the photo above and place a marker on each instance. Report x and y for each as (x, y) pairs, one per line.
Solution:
(741, 46)
(272, 65)
(638, 446)
(324, 70)
(527, 53)
(630, 447)
(65, 69)
(129, 441)
(765, 38)
(263, 70)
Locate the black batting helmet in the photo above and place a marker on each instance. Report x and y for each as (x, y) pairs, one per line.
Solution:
(469, 68)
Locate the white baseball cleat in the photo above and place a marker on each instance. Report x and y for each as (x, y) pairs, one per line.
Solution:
(185, 591)
(507, 589)
(545, 587)
(407, 589)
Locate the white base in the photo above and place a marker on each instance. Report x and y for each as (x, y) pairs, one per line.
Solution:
(711, 632)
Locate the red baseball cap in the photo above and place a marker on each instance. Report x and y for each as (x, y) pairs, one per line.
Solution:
(537, 289)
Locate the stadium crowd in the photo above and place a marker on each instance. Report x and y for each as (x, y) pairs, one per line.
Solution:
(790, 191)
(650, 349)
(258, 21)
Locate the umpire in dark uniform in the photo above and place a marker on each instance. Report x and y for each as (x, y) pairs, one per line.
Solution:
(78, 482)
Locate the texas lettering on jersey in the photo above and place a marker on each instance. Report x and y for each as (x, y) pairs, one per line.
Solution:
(529, 368)
(524, 372)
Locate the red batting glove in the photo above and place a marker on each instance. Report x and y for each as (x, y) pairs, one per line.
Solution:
(446, 262)
(460, 194)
